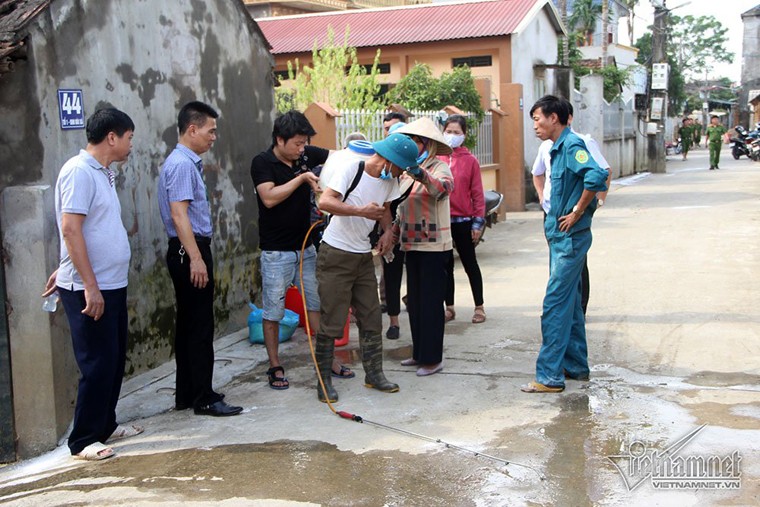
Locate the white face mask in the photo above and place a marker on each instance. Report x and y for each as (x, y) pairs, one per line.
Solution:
(454, 140)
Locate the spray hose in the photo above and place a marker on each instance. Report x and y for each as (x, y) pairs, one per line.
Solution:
(357, 418)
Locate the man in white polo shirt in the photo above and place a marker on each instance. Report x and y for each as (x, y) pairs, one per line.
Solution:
(92, 280)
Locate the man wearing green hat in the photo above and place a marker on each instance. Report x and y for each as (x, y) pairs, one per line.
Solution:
(345, 270)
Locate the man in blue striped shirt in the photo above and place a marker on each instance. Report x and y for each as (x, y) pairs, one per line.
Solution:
(186, 215)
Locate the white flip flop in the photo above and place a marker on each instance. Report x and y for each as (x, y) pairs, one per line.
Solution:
(95, 452)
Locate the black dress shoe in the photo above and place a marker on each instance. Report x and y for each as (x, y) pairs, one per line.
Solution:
(218, 409)
(185, 406)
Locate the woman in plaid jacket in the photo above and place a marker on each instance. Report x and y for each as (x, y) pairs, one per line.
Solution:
(423, 225)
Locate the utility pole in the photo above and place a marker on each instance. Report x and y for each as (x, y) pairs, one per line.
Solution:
(605, 29)
(565, 42)
(658, 94)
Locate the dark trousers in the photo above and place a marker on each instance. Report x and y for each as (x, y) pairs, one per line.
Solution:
(462, 236)
(194, 331)
(585, 282)
(392, 273)
(100, 349)
(425, 290)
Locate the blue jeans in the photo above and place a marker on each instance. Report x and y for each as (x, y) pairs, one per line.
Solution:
(563, 326)
(279, 269)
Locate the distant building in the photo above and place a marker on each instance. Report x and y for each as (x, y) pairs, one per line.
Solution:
(749, 98)
(618, 54)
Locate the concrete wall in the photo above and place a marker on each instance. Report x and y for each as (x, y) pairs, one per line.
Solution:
(588, 117)
(146, 58)
(620, 154)
(42, 362)
(539, 40)
(750, 65)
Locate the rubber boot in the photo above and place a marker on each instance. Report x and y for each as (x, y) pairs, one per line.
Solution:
(372, 359)
(324, 352)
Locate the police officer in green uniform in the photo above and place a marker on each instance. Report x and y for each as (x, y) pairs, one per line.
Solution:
(686, 133)
(714, 139)
(697, 132)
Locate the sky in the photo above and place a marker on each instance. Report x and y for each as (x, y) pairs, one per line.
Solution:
(728, 12)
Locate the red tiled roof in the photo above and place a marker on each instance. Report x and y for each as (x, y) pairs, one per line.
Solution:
(400, 25)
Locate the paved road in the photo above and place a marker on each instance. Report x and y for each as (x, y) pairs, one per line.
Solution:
(674, 339)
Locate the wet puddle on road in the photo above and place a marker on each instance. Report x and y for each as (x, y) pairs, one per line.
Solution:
(722, 379)
(293, 471)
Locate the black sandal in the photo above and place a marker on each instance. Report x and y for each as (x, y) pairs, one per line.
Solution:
(273, 378)
(345, 372)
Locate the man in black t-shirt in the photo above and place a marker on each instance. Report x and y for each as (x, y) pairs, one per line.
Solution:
(283, 181)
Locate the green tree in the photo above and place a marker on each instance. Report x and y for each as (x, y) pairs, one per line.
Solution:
(694, 43)
(721, 90)
(417, 90)
(615, 79)
(724, 90)
(334, 77)
(583, 19)
(420, 90)
(697, 42)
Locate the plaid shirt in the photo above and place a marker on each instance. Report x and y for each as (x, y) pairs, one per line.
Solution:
(424, 220)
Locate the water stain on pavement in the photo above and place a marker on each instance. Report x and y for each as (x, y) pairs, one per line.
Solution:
(727, 415)
(286, 470)
(722, 379)
(580, 451)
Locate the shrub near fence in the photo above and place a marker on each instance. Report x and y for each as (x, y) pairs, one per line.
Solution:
(370, 123)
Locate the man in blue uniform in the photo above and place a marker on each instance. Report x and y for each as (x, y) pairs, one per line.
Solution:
(575, 179)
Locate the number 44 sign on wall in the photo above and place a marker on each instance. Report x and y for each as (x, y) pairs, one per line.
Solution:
(70, 108)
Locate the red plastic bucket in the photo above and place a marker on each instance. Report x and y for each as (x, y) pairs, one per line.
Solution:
(294, 304)
(341, 342)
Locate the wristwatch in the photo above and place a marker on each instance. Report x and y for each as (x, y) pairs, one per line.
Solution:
(577, 211)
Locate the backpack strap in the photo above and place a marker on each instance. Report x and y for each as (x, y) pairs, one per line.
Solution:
(351, 187)
(355, 182)
(397, 202)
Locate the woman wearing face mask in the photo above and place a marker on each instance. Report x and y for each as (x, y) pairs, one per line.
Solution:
(424, 227)
(468, 211)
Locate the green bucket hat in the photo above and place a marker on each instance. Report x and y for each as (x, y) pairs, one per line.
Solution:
(399, 150)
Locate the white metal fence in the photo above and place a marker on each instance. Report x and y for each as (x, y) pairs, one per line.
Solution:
(370, 123)
(483, 151)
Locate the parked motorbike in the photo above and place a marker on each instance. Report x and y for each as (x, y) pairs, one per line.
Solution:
(493, 201)
(754, 152)
(739, 143)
